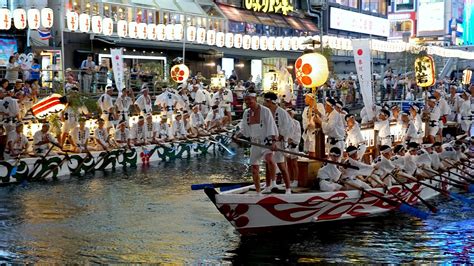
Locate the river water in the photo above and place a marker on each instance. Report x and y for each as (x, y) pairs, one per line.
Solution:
(150, 214)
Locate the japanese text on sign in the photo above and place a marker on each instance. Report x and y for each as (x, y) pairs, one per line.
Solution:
(269, 6)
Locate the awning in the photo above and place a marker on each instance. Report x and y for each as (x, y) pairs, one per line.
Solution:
(238, 15)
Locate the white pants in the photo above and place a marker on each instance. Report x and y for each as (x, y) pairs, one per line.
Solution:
(328, 186)
(361, 151)
(358, 183)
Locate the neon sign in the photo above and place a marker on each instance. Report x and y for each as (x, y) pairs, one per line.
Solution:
(269, 6)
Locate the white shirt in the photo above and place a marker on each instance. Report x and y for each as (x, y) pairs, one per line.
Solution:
(123, 103)
(196, 119)
(164, 131)
(18, 140)
(10, 107)
(364, 169)
(444, 107)
(105, 102)
(39, 136)
(383, 127)
(138, 132)
(354, 135)
(283, 122)
(144, 103)
(80, 137)
(101, 136)
(295, 135)
(329, 172)
(333, 126)
(179, 129)
(262, 131)
(409, 132)
(213, 116)
(122, 136)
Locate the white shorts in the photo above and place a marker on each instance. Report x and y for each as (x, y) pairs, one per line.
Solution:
(328, 186)
(433, 131)
(226, 108)
(310, 145)
(257, 154)
(291, 156)
(279, 157)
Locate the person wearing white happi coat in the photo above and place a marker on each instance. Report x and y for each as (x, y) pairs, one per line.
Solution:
(214, 119)
(309, 127)
(101, 136)
(200, 99)
(382, 124)
(138, 132)
(332, 125)
(17, 143)
(435, 115)
(105, 103)
(329, 174)
(178, 128)
(69, 118)
(122, 135)
(10, 110)
(284, 125)
(80, 136)
(42, 140)
(454, 101)
(168, 101)
(384, 166)
(350, 175)
(164, 130)
(123, 103)
(443, 108)
(354, 136)
(259, 125)
(144, 102)
(465, 113)
(293, 143)
(408, 130)
(151, 130)
(410, 166)
(434, 157)
(364, 115)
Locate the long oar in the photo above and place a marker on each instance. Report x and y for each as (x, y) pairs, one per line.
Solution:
(453, 165)
(298, 154)
(459, 182)
(453, 182)
(221, 185)
(427, 204)
(441, 191)
(79, 166)
(15, 166)
(399, 205)
(223, 146)
(43, 157)
(43, 176)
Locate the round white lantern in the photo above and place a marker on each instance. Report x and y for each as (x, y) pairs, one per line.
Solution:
(311, 70)
(142, 30)
(201, 35)
(294, 43)
(179, 73)
(122, 28)
(229, 40)
(151, 29)
(97, 26)
(5, 19)
(238, 41)
(47, 17)
(263, 43)
(133, 30)
(19, 18)
(247, 42)
(72, 20)
(271, 43)
(161, 32)
(211, 37)
(84, 23)
(255, 42)
(108, 26)
(279, 43)
(178, 32)
(286, 43)
(220, 39)
(191, 34)
(170, 32)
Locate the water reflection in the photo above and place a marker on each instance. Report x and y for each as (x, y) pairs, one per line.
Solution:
(150, 215)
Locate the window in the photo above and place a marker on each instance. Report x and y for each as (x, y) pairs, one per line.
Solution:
(404, 5)
(349, 3)
(398, 27)
(375, 6)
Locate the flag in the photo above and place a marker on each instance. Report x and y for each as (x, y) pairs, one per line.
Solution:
(362, 58)
(45, 34)
(117, 68)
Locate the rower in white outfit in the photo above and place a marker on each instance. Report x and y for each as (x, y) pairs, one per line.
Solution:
(17, 143)
(122, 135)
(178, 128)
(284, 125)
(259, 125)
(350, 175)
(293, 143)
(384, 166)
(42, 141)
(80, 136)
(332, 125)
(197, 122)
(309, 125)
(144, 102)
(138, 132)
(354, 136)
(164, 130)
(101, 136)
(329, 174)
(151, 130)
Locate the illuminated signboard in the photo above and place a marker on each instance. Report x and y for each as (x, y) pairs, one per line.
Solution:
(269, 6)
(346, 20)
(431, 18)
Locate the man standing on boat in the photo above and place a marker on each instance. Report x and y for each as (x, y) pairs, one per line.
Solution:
(258, 125)
(144, 102)
(332, 125)
(123, 104)
(354, 136)
(284, 125)
(382, 124)
(293, 143)
(106, 103)
(42, 140)
(435, 116)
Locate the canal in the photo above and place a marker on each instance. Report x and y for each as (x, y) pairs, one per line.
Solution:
(147, 215)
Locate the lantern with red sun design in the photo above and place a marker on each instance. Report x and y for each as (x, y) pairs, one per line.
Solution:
(311, 70)
(180, 73)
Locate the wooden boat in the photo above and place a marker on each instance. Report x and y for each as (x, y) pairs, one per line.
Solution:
(54, 167)
(252, 213)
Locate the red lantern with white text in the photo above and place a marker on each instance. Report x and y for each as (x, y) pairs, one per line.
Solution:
(180, 73)
(311, 70)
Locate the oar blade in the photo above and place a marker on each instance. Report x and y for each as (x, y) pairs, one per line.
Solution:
(413, 211)
(223, 189)
(13, 172)
(201, 186)
(461, 198)
(470, 188)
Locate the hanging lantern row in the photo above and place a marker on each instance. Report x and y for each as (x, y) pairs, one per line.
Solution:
(33, 18)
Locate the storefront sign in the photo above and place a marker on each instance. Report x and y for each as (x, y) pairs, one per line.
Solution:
(431, 18)
(270, 6)
(346, 20)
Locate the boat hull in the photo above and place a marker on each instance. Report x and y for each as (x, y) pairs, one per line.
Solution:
(253, 213)
(47, 168)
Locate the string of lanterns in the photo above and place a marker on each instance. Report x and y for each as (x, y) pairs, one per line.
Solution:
(33, 18)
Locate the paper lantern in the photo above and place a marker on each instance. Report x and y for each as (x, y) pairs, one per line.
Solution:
(279, 43)
(466, 77)
(151, 29)
(311, 70)
(191, 34)
(5, 19)
(178, 32)
(170, 32)
(425, 71)
(50, 105)
(85, 23)
(72, 20)
(294, 43)
(122, 28)
(220, 39)
(238, 41)
(133, 29)
(229, 40)
(270, 81)
(34, 18)
(47, 17)
(255, 43)
(247, 42)
(271, 43)
(301, 45)
(97, 25)
(161, 32)
(19, 18)
(286, 43)
(263, 43)
(108, 26)
(180, 73)
(211, 37)
(142, 32)
(201, 35)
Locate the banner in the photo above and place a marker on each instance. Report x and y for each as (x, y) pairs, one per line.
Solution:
(117, 68)
(362, 59)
